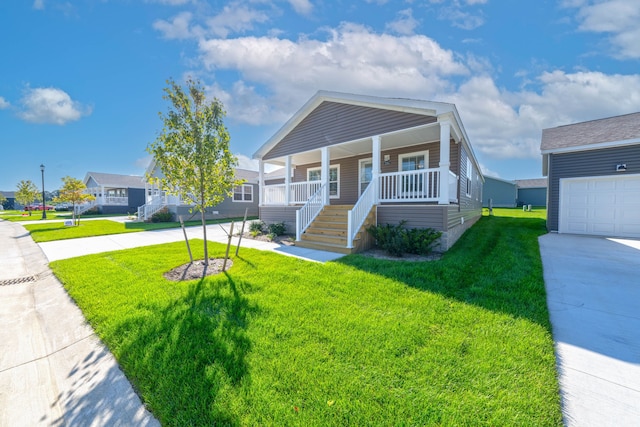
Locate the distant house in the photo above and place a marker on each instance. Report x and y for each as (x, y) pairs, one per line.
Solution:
(499, 193)
(245, 196)
(532, 191)
(11, 200)
(114, 194)
(354, 160)
(594, 176)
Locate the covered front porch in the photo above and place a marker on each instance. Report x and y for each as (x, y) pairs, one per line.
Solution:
(406, 167)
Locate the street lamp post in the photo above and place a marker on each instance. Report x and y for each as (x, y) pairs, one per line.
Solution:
(44, 205)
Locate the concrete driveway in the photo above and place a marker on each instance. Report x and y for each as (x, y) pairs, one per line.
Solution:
(593, 295)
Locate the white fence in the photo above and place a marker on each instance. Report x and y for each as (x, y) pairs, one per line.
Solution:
(299, 192)
(358, 214)
(410, 186)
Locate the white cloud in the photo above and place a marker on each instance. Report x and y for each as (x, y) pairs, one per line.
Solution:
(351, 59)
(404, 23)
(245, 162)
(4, 103)
(619, 18)
(38, 4)
(503, 124)
(235, 18)
(177, 28)
(303, 7)
(50, 105)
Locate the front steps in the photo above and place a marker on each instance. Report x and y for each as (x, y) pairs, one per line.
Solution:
(328, 232)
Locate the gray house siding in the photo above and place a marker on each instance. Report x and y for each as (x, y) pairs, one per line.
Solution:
(333, 123)
(503, 194)
(585, 164)
(532, 196)
(286, 214)
(228, 208)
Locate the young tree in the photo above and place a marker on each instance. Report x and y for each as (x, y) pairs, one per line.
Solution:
(72, 191)
(192, 150)
(26, 193)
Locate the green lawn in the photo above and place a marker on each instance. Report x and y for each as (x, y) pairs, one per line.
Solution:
(48, 231)
(281, 341)
(14, 215)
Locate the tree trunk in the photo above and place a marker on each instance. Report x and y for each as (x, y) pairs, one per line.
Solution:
(204, 232)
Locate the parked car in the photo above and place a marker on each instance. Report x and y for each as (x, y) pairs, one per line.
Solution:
(63, 206)
(38, 207)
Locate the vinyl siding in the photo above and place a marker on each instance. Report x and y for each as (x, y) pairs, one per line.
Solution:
(417, 216)
(334, 123)
(286, 214)
(532, 196)
(502, 194)
(584, 164)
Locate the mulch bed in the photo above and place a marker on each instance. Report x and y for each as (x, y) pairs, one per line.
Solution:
(197, 270)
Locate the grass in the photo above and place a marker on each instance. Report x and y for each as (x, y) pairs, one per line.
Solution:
(280, 341)
(48, 231)
(17, 216)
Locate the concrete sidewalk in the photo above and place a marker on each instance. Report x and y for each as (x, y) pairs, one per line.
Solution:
(63, 249)
(54, 371)
(593, 295)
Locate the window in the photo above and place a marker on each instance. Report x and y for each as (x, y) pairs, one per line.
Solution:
(243, 193)
(315, 174)
(469, 174)
(366, 173)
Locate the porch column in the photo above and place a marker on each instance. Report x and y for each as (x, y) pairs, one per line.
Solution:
(102, 196)
(375, 165)
(287, 181)
(445, 138)
(260, 182)
(324, 174)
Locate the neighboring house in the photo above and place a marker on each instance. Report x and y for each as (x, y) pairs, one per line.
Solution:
(11, 200)
(352, 160)
(532, 191)
(594, 176)
(245, 196)
(499, 193)
(114, 193)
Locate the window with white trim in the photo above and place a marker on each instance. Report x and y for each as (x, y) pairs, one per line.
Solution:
(469, 176)
(413, 162)
(315, 174)
(243, 193)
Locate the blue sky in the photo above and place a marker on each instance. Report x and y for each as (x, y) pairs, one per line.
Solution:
(81, 81)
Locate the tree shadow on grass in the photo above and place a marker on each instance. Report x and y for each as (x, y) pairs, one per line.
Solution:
(181, 357)
(495, 265)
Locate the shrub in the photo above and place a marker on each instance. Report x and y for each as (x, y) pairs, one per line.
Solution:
(256, 228)
(162, 216)
(277, 228)
(396, 240)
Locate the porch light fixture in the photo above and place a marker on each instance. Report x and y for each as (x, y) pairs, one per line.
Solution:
(622, 167)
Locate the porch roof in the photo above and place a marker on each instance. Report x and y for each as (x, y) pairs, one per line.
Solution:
(115, 180)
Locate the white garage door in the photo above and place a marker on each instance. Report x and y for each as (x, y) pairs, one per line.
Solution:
(603, 206)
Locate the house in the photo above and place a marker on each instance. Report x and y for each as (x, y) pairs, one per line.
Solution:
(593, 170)
(114, 194)
(11, 202)
(532, 191)
(352, 160)
(245, 196)
(499, 193)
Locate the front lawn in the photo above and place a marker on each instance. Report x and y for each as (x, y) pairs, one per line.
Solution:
(48, 231)
(276, 340)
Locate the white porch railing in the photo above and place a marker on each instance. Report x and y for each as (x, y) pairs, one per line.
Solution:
(358, 214)
(113, 200)
(307, 213)
(410, 186)
(80, 209)
(299, 192)
(453, 187)
(146, 211)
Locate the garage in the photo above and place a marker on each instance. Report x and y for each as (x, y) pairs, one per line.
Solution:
(602, 206)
